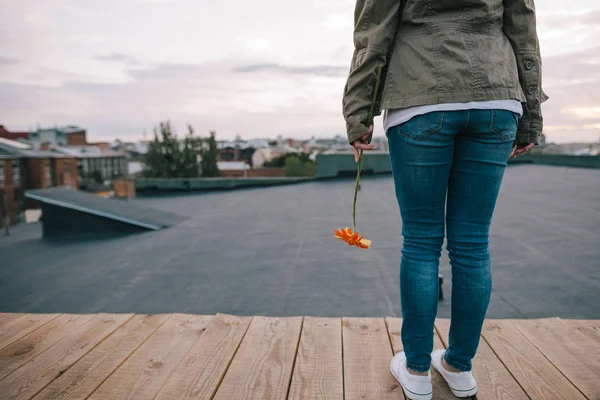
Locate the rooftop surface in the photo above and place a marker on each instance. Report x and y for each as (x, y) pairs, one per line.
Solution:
(119, 211)
(271, 252)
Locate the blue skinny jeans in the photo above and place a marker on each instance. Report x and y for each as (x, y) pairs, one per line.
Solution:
(447, 169)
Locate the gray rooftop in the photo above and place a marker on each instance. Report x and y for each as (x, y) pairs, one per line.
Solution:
(14, 149)
(122, 211)
(271, 251)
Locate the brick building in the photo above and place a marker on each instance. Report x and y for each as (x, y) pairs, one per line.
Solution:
(94, 160)
(63, 136)
(22, 169)
(12, 135)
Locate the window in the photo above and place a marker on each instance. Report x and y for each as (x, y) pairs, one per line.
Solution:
(47, 174)
(67, 174)
(16, 171)
(1, 173)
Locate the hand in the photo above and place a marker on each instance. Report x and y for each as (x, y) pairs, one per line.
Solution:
(520, 149)
(363, 143)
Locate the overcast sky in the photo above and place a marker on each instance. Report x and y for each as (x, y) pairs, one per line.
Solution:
(254, 68)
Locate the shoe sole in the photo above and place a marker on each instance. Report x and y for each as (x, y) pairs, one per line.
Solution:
(463, 393)
(410, 395)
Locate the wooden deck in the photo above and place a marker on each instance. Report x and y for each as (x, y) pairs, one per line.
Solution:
(178, 357)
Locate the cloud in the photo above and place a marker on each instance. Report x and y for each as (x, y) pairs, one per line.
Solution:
(573, 67)
(230, 96)
(591, 18)
(117, 71)
(209, 95)
(573, 19)
(317, 70)
(573, 83)
(338, 21)
(8, 61)
(117, 57)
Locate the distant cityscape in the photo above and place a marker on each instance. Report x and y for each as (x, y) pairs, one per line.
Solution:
(64, 156)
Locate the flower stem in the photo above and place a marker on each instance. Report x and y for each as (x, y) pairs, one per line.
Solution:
(360, 152)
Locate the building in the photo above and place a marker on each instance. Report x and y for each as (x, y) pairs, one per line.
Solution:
(261, 156)
(99, 163)
(235, 151)
(22, 168)
(233, 169)
(278, 151)
(11, 135)
(573, 149)
(63, 136)
(134, 151)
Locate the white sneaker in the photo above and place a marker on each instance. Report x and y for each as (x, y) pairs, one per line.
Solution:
(416, 387)
(462, 384)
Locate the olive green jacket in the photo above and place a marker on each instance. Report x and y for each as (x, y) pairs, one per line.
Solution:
(445, 51)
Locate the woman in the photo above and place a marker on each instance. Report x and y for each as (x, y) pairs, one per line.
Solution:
(462, 94)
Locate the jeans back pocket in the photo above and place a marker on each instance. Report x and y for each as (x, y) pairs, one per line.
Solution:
(504, 124)
(421, 126)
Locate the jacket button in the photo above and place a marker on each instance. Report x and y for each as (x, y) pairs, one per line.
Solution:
(531, 90)
(528, 65)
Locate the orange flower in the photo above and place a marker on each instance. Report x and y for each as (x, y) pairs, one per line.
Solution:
(352, 238)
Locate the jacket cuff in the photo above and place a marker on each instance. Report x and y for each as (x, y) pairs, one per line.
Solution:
(529, 130)
(355, 129)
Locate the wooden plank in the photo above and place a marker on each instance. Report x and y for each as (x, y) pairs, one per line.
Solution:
(367, 356)
(199, 374)
(83, 378)
(318, 372)
(149, 367)
(536, 375)
(17, 328)
(394, 327)
(589, 327)
(494, 381)
(576, 355)
(32, 377)
(441, 391)
(263, 365)
(36, 342)
(7, 317)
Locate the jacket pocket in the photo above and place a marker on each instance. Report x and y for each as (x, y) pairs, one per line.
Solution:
(504, 124)
(421, 126)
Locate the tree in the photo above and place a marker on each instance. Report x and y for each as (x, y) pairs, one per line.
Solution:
(209, 157)
(295, 167)
(168, 158)
(279, 162)
(276, 162)
(162, 157)
(189, 167)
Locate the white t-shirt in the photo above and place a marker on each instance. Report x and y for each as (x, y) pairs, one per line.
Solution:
(397, 116)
